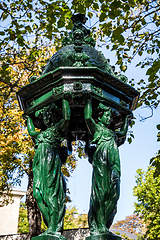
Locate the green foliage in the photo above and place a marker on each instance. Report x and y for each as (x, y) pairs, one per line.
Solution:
(30, 28)
(155, 162)
(147, 191)
(134, 31)
(158, 135)
(23, 225)
(140, 237)
(72, 220)
(43, 226)
(16, 147)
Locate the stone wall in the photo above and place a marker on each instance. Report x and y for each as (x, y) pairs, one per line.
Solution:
(15, 237)
(72, 234)
(76, 234)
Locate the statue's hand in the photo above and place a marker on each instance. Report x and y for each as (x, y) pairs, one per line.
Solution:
(114, 176)
(25, 117)
(130, 116)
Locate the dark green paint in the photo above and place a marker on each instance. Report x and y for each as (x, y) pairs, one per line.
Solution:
(74, 77)
(49, 187)
(49, 237)
(106, 169)
(105, 236)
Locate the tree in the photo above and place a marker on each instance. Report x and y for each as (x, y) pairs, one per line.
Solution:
(72, 219)
(17, 149)
(130, 27)
(135, 31)
(132, 224)
(28, 31)
(155, 162)
(147, 191)
(23, 224)
(126, 237)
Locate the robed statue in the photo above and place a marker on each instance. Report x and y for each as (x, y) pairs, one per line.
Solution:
(49, 187)
(106, 169)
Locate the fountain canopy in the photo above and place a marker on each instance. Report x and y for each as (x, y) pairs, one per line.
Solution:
(77, 72)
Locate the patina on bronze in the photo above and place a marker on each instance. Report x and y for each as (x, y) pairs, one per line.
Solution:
(106, 169)
(78, 96)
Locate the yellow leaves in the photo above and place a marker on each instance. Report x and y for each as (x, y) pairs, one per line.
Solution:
(16, 69)
(133, 224)
(69, 166)
(14, 141)
(73, 219)
(16, 147)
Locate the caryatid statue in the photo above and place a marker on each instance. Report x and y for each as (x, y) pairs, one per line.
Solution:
(106, 169)
(49, 187)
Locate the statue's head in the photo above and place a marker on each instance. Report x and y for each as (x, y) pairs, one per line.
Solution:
(47, 114)
(106, 117)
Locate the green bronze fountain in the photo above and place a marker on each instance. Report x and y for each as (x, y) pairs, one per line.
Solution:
(77, 96)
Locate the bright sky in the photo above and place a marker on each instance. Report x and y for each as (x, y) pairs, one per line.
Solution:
(133, 156)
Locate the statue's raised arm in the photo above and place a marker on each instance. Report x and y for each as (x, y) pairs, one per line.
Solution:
(124, 128)
(92, 126)
(66, 113)
(31, 127)
(121, 134)
(49, 188)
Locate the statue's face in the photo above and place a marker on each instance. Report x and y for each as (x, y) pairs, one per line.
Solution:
(106, 118)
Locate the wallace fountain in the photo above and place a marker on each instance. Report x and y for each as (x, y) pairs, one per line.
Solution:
(78, 96)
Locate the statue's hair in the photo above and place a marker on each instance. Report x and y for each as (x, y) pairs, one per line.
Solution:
(104, 107)
(39, 113)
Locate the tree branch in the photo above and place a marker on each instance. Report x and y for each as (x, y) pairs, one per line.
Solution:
(142, 119)
(140, 18)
